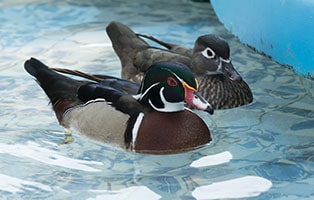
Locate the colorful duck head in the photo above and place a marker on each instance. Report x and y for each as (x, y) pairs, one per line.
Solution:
(167, 85)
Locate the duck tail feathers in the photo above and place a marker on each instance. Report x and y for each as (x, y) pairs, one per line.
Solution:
(123, 38)
(60, 89)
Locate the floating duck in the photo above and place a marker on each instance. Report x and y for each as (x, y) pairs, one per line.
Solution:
(152, 120)
(219, 82)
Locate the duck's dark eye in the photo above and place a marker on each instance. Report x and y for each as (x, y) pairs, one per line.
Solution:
(172, 82)
(208, 53)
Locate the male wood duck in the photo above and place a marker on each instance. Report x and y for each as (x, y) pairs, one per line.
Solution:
(219, 82)
(153, 120)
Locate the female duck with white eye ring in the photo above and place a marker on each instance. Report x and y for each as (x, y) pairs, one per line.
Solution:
(219, 82)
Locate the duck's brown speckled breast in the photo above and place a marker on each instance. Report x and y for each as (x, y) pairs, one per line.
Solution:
(162, 133)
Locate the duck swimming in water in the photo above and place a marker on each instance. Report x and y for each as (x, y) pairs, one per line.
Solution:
(146, 118)
(219, 82)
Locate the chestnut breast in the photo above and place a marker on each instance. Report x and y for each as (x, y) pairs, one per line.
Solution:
(161, 133)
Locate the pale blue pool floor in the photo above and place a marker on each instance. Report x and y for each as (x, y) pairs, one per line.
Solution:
(271, 139)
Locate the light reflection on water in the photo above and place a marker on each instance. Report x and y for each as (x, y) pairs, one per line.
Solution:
(269, 142)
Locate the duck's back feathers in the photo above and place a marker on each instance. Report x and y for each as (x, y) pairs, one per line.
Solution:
(144, 59)
(174, 48)
(65, 92)
(126, 45)
(122, 85)
(118, 99)
(136, 55)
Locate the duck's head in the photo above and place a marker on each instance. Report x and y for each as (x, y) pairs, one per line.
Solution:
(166, 86)
(211, 55)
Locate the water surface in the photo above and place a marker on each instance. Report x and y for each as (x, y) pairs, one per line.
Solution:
(263, 150)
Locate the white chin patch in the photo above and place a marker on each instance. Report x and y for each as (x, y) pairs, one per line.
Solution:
(199, 104)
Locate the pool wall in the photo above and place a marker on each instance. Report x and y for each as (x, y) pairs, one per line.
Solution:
(282, 29)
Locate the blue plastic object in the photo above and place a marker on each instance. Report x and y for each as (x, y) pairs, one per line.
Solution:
(281, 29)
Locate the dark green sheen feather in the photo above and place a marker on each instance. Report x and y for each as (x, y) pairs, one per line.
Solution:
(161, 71)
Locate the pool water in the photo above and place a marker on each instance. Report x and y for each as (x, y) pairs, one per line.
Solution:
(264, 150)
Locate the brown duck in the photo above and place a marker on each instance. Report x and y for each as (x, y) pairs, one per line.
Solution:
(219, 82)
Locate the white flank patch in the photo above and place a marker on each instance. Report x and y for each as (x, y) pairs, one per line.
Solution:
(136, 127)
(210, 160)
(14, 185)
(130, 193)
(244, 187)
(47, 156)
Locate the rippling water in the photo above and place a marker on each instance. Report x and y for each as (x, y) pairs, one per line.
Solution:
(263, 150)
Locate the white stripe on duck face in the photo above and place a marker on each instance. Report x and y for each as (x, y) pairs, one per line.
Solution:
(168, 106)
(141, 95)
(97, 120)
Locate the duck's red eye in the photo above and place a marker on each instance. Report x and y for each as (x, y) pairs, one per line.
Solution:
(172, 82)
